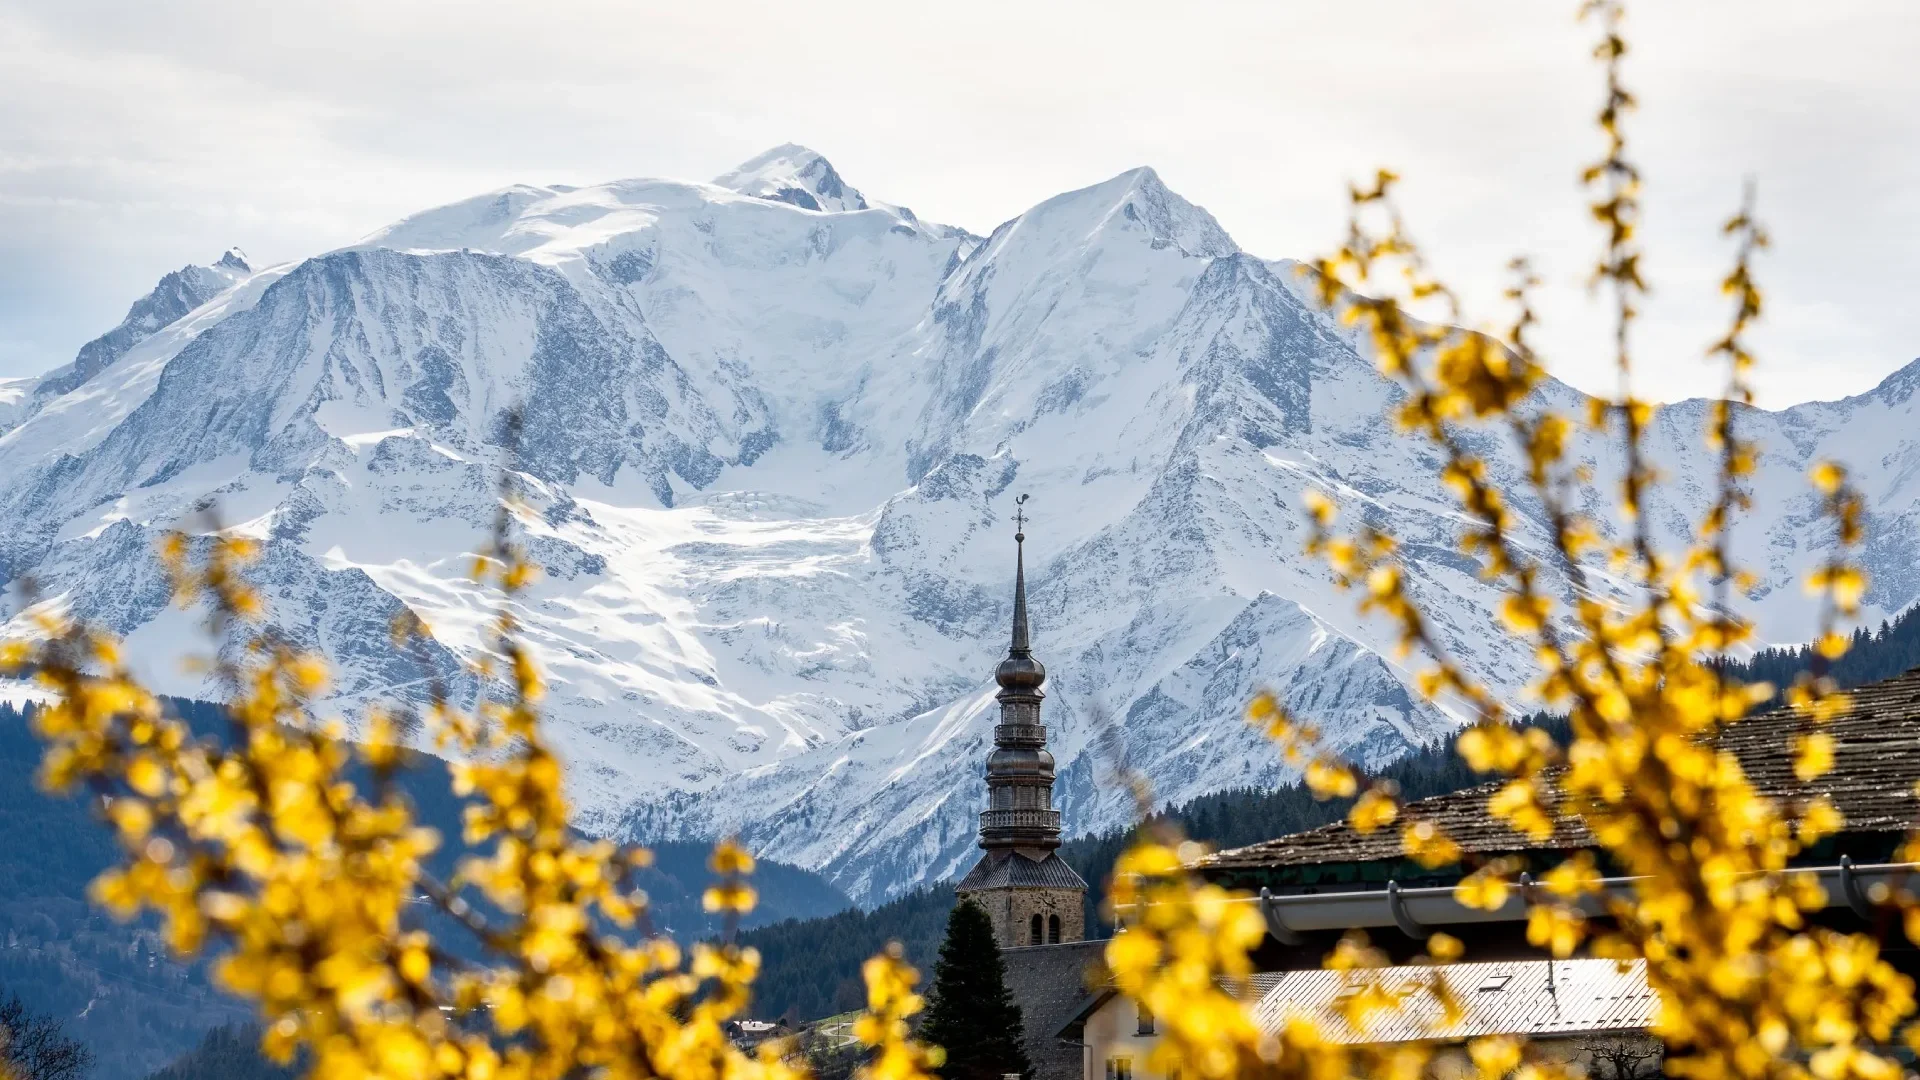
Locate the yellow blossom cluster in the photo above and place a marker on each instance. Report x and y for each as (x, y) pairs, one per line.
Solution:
(1749, 986)
(257, 847)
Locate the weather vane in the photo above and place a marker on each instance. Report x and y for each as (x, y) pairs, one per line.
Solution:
(1020, 517)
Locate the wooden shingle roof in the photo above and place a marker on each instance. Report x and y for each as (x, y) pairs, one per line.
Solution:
(1876, 768)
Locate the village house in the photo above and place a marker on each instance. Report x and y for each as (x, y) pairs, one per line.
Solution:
(747, 1034)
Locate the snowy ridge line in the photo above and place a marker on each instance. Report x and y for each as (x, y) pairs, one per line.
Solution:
(773, 428)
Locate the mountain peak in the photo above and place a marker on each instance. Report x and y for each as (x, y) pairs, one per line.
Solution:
(1136, 202)
(792, 173)
(172, 297)
(1899, 385)
(1172, 218)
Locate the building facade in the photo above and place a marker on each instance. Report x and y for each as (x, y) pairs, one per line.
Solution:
(1030, 894)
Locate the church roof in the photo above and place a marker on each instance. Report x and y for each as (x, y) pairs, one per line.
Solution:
(1010, 869)
(1872, 783)
(1049, 982)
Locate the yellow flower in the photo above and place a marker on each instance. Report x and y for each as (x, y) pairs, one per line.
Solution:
(1818, 819)
(1427, 845)
(1828, 476)
(1812, 755)
(1483, 890)
(1573, 877)
(1330, 780)
(1445, 948)
(1494, 1055)
(1375, 809)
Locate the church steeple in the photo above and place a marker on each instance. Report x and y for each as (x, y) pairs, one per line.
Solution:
(1020, 646)
(1032, 897)
(1020, 813)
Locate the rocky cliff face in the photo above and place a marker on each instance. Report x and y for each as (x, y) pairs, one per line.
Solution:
(177, 294)
(772, 432)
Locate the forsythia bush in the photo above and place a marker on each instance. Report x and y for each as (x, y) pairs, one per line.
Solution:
(1748, 989)
(259, 848)
(262, 849)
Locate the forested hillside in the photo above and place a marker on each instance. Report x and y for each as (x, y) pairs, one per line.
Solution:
(1870, 657)
(228, 1052)
(113, 985)
(811, 968)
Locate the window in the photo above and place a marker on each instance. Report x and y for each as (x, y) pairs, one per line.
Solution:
(1120, 1068)
(1145, 1024)
(1039, 932)
(1053, 929)
(1495, 983)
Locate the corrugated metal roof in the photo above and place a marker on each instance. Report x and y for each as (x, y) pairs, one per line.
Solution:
(1497, 998)
(1876, 767)
(1254, 987)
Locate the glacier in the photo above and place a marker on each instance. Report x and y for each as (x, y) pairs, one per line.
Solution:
(771, 432)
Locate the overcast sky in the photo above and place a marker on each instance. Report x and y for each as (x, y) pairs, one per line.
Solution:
(138, 136)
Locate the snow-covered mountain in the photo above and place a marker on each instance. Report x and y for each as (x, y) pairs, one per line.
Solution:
(177, 294)
(13, 400)
(772, 433)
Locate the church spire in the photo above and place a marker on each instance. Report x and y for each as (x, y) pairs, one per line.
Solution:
(1032, 896)
(1020, 675)
(1020, 814)
(1020, 646)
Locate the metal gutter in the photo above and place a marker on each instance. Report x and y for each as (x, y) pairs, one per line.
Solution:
(1415, 912)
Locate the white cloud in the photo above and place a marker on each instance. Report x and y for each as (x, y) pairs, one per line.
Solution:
(156, 134)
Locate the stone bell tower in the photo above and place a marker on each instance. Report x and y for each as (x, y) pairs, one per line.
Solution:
(1032, 896)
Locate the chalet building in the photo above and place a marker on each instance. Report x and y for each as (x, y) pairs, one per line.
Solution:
(1313, 886)
(747, 1035)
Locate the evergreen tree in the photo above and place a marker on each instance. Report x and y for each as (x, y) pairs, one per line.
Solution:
(231, 1052)
(971, 1014)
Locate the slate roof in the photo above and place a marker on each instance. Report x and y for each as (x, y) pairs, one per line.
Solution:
(1050, 982)
(1499, 998)
(1876, 767)
(1004, 869)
